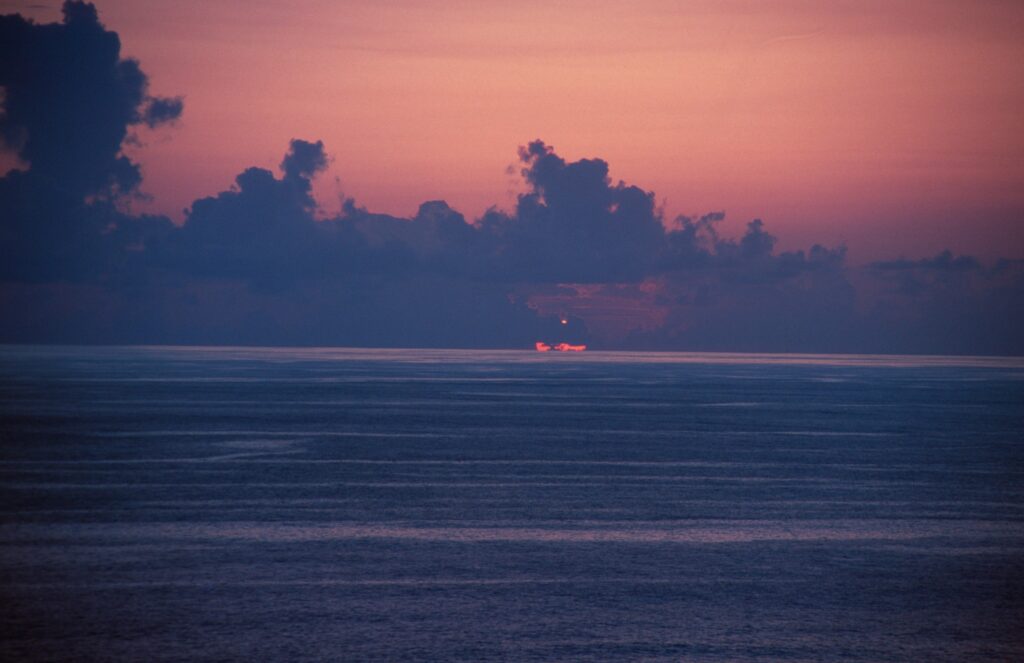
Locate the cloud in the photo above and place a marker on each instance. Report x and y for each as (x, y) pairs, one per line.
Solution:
(69, 99)
(304, 160)
(259, 262)
(262, 229)
(159, 110)
(947, 301)
(943, 262)
(574, 225)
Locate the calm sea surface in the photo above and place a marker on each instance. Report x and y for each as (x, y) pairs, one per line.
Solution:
(217, 504)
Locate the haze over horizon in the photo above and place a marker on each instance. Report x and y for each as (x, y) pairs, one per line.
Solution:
(881, 148)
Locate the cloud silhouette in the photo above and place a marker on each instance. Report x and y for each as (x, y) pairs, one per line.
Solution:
(574, 225)
(69, 99)
(262, 229)
(258, 263)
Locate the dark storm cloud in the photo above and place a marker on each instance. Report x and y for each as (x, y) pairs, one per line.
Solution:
(257, 263)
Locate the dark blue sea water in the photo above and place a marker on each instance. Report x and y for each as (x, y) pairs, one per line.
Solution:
(224, 504)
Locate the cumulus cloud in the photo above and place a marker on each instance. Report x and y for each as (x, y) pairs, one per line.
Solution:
(69, 99)
(574, 225)
(578, 258)
(303, 161)
(263, 228)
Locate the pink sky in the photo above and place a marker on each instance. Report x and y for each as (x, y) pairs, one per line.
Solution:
(895, 127)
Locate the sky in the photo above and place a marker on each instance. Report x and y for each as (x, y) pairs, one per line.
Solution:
(894, 127)
(826, 176)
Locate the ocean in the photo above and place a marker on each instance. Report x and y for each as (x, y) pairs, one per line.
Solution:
(195, 504)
